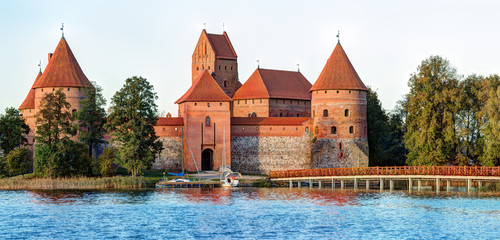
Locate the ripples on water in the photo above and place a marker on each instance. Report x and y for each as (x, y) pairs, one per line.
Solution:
(248, 213)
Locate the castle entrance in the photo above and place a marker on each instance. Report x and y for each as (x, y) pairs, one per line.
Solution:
(207, 159)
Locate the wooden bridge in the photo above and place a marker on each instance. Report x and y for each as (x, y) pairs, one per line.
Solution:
(331, 176)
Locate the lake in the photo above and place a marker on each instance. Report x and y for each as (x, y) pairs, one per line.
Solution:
(249, 213)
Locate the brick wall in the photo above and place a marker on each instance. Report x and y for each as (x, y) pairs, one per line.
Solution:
(327, 153)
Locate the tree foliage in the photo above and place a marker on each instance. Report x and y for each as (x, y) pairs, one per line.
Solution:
(491, 130)
(65, 159)
(91, 118)
(54, 120)
(19, 161)
(431, 111)
(13, 130)
(106, 162)
(131, 121)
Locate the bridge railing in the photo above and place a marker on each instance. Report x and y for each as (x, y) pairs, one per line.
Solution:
(398, 170)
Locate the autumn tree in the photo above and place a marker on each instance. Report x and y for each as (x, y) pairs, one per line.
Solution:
(91, 118)
(491, 130)
(13, 130)
(131, 121)
(431, 111)
(54, 119)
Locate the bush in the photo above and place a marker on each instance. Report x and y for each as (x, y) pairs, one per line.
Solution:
(19, 161)
(106, 162)
(3, 168)
(67, 159)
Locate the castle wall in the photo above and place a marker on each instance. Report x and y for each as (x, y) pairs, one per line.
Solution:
(245, 107)
(272, 107)
(171, 157)
(339, 153)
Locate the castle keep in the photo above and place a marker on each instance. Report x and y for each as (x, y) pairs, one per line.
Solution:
(276, 120)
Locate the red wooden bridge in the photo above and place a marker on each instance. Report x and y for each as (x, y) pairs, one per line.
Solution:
(472, 174)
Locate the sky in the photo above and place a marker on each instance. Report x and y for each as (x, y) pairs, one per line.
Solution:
(113, 40)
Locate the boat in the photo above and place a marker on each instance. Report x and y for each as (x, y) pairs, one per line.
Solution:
(180, 180)
(229, 178)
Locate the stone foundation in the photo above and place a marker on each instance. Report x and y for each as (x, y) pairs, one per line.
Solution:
(326, 153)
(171, 157)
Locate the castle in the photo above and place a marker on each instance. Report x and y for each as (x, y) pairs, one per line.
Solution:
(276, 120)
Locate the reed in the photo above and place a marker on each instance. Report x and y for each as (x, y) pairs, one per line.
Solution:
(117, 182)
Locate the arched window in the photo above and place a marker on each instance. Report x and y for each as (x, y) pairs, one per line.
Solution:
(307, 129)
(346, 112)
(253, 115)
(207, 121)
(316, 130)
(334, 130)
(325, 113)
(351, 129)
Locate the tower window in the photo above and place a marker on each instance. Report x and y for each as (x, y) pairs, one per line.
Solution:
(297, 115)
(207, 121)
(334, 130)
(349, 91)
(225, 83)
(337, 91)
(253, 115)
(231, 68)
(253, 101)
(219, 67)
(346, 112)
(68, 89)
(220, 104)
(340, 145)
(238, 102)
(325, 113)
(281, 114)
(208, 104)
(208, 67)
(225, 67)
(307, 129)
(325, 91)
(351, 129)
(197, 68)
(195, 104)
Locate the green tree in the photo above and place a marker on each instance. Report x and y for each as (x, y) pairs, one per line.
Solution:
(491, 131)
(395, 150)
(4, 171)
(66, 159)
(13, 130)
(131, 121)
(431, 110)
(54, 120)
(19, 161)
(106, 162)
(377, 129)
(92, 118)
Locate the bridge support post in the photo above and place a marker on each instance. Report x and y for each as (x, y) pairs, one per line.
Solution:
(438, 185)
(367, 184)
(448, 185)
(469, 185)
(299, 184)
(419, 185)
(355, 184)
(479, 184)
(381, 184)
(391, 185)
(342, 184)
(333, 183)
(290, 184)
(410, 185)
(310, 183)
(319, 184)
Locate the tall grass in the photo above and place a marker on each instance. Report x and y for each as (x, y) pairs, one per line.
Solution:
(118, 182)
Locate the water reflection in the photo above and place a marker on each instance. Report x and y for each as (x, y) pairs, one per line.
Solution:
(75, 197)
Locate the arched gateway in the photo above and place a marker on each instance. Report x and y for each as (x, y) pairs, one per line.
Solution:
(207, 159)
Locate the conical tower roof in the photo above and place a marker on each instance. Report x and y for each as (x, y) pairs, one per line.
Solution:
(29, 101)
(204, 89)
(63, 70)
(338, 74)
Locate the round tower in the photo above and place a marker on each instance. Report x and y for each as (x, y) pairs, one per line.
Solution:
(338, 108)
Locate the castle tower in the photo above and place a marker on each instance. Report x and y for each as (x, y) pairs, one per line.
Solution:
(216, 54)
(339, 112)
(205, 110)
(62, 72)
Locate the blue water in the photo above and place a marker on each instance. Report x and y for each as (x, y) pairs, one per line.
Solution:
(245, 213)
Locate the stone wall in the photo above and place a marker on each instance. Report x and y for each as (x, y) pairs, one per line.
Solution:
(172, 155)
(259, 155)
(327, 153)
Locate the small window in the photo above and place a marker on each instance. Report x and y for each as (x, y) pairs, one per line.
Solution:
(337, 91)
(281, 114)
(231, 68)
(253, 101)
(253, 114)
(341, 155)
(197, 68)
(296, 128)
(68, 89)
(307, 129)
(340, 145)
(220, 104)
(283, 128)
(225, 83)
(208, 104)
(349, 91)
(351, 129)
(208, 67)
(219, 67)
(195, 104)
(261, 101)
(245, 101)
(225, 67)
(207, 121)
(297, 115)
(164, 129)
(325, 113)
(53, 89)
(325, 91)
(202, 67)
(334, 130)
(79, 89)
(346, 112)
(238, 102)
(42, 89)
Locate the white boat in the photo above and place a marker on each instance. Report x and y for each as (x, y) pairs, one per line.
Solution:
(180, 180)
(229, 178)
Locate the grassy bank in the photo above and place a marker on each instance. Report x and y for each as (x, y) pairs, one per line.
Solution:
(117, 182)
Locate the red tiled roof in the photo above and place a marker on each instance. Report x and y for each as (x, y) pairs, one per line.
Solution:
(172, 121)
(222, 45)
(29, 102)
(268, 120)
(63, 70)
(267, 83)
(338, 73)
(204, 89)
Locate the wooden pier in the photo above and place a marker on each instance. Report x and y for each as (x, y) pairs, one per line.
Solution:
(196, 184)
(439, 177)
